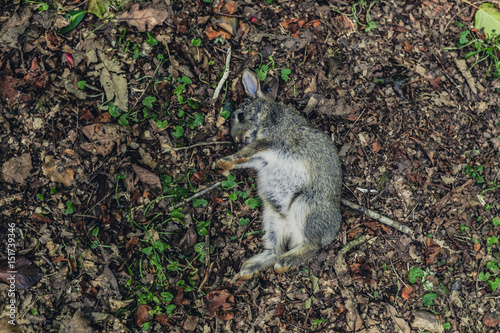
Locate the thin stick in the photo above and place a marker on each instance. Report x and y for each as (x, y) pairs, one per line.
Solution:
(198, 145)
(377, 216)
(356, 242)
(196, 195)
(224, 76)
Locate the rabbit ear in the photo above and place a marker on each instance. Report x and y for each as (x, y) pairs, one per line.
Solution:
(271, 89)
(251, 83)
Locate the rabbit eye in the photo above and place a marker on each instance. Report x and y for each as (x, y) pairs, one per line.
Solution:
(240, 116)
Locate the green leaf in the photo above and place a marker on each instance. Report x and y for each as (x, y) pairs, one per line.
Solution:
(496, 220)
(253, 203)
(192, 103)
(492, 265)
(151, 40)
(484, 276)
(173, 266)
(199, 119)
(492, 240)
(225, 114)
(70, 208)
(176, 213)
(494, 284)
(168, 297)
(179, 130)
(229, 183)
(147, 251)
(199, 202)
(488, 17)
(233, 197)
(162, 124)
(186, 80)
(371, 25)
(114, 111)
(415, 273)
(196, 42)
(39, 196)
(148, 101)
(244, 221)
(81, 85)
(123, 120)
(170, 308)
(203, 232)
(98, 7)
(428, 299)
(76, 17)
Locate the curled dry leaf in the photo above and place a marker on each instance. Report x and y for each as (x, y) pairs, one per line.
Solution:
(142, 315)
(407, 291)
(57, 171)
(23, 273)
(145, 19)
(102, 137)
(213, 34)
(432, 251)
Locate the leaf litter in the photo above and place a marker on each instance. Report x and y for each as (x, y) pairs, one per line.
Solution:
(423, 152)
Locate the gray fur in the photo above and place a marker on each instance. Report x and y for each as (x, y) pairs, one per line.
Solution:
(299, 179)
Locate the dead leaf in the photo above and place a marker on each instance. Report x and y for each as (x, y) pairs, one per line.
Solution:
(103, 138)
(17, 169)
(376, 147)
(213, 34)
(98, 7)
(146, 176)
(113, 81)
(142, 315)
(432, 251)
(145, 19)
(57, 171)
(190, 323)
(15, 26)
(21, 272)
(407, 291)
(491, 320)
(6, 327)
(426, 321)
(400, 322)
(220, 303)
(344, 25)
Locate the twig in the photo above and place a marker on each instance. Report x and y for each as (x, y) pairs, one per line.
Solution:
(196, 195)
(206, 276)
(377, 216)
(355, 242)
(198, 145)
(224, 76)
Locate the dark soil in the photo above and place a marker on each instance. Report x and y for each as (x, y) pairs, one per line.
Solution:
(89, 199)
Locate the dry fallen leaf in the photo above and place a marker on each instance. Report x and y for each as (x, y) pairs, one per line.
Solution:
(142, 315)
(407, 291)
(26, 273)
(17, 169)
(145, 19)
(432, 251)
(220, 303)
(102, 137)
(113, 81)
(376, 147)
(146, 176)
(57, 171)
(213, 34)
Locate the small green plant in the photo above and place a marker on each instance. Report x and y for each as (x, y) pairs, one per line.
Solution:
(284, 74)
(484, 48)
(81, 85)
(196, 42)
(229, 183)
(151, 40)
(253, 203)
(264, 68)
(496, 221)
(357, 9)
(317, 321)
(179, 131)
(39, 196)
(75, 18)
(43, 5)
(416, 273)
(70, 207)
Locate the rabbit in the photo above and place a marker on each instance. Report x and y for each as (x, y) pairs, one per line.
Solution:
(299, 178)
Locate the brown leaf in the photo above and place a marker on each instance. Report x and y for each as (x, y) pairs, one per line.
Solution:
(376, 147)
(146, 176)
(145, 19)
(17, 169)
(190, 323)
(102, 137)
(491, 320)
(40, 218)
(57, 171)
(213, 34)
(188, 240)
(178, 297)
(19, 272)
(407, 291)
(408, 47)
(435, 83)
(142, 315)
(361, 272)
(432, 251)
(280, 308)
(220, 303)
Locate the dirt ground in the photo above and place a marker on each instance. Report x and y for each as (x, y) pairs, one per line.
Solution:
(99, 201)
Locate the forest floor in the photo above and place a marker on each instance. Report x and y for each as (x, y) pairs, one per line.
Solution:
(107, 130)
